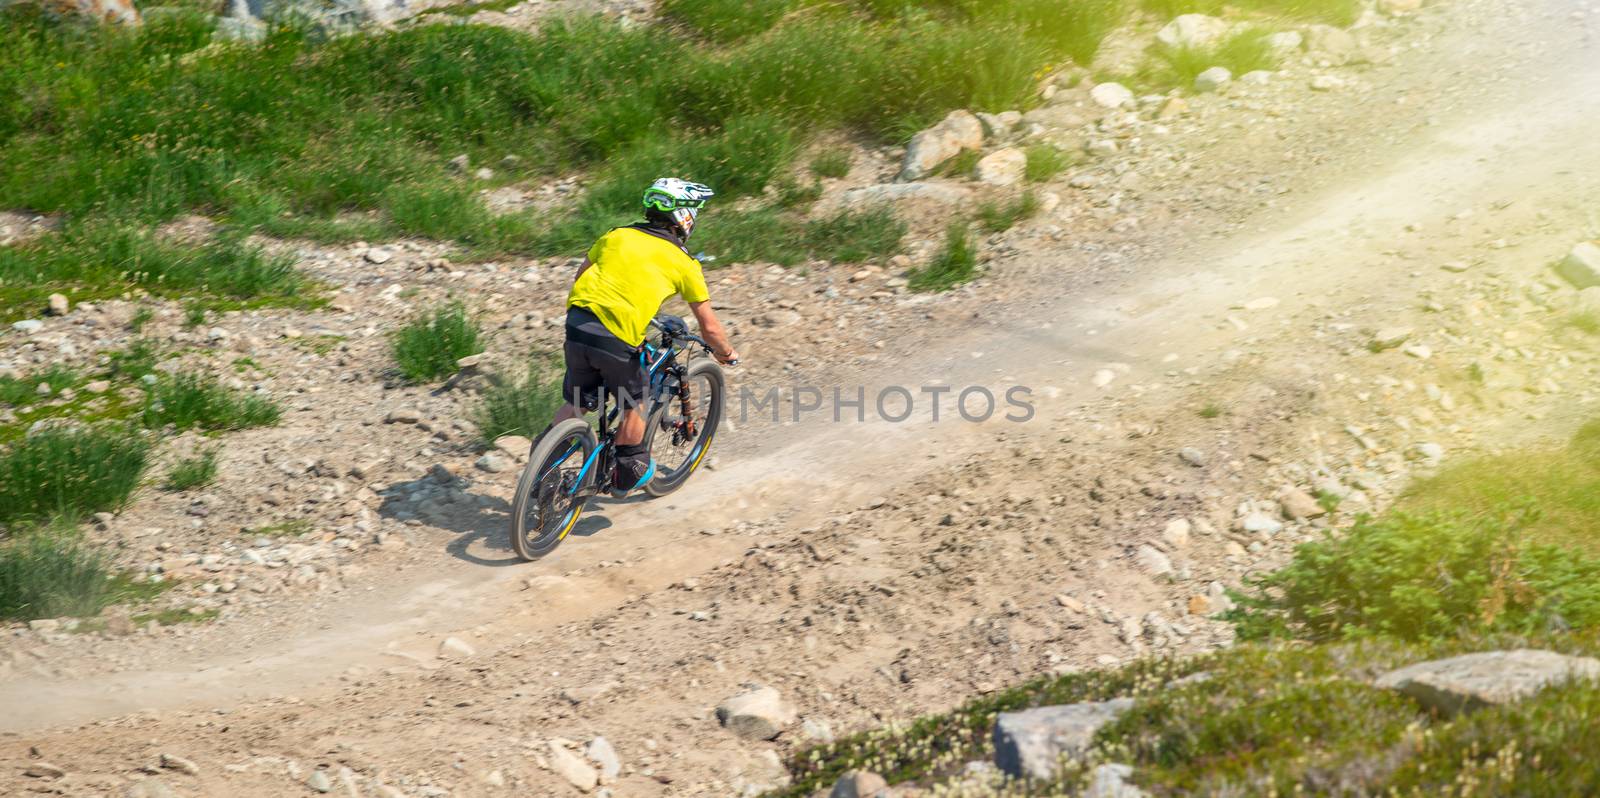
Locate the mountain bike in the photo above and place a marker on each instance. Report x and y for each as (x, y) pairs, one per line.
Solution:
(572, 462)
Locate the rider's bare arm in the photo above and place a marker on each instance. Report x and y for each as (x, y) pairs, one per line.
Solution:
(583, 268)
(711, 330)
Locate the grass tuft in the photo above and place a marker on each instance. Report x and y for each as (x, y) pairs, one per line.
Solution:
(193, 472)
(194, 401)
(771, 235)
(834, 163)
(428, 347)
(956, 264)
(521, 406)
(69, 472)
(1241, 52)
(49, 573)
(1045, 161)
(999, 217)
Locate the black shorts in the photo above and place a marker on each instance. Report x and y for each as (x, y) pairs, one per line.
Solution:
(596, 358)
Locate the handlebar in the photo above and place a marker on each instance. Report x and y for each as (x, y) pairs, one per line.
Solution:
(692, 338)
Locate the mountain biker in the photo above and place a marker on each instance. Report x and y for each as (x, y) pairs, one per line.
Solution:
(625, 277)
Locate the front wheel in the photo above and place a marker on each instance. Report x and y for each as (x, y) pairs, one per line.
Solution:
(548, 500)
(680, 429)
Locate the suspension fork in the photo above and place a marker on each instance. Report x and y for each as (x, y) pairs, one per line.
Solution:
(686, 402)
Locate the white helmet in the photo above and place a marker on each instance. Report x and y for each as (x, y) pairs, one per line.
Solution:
(679, 200)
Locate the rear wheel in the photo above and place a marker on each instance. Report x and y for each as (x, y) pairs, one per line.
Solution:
(546, 506)
(680, 430)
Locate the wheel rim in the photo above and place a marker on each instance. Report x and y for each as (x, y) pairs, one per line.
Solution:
(552, 508)
(677, 453)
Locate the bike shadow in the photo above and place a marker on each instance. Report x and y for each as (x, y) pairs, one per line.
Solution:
(441, 501)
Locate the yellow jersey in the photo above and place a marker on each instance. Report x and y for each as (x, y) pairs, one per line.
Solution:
(631, 273)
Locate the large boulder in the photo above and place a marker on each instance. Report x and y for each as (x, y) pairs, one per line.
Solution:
(117, 12)
(1471, 681)
(1031, 744)
(756, 714)
(959, 131)
(1581, 266)
(1192, 30)
(1004, 167)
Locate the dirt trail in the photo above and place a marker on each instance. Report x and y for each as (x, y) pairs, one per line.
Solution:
(1371, 240)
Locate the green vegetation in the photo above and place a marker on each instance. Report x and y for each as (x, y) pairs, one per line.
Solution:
(69, 472)
(428, 347)
(1210, 410)
(767, 234)
(963, 165)
(833, 163)
(999, 217)
(136, 360)
(956, 263)
(1587, 322)
(96, 260)
(1045, 161)
(140, 318)
(1493, 553)
(1241, 52)
(26, 390)
(48, 573)
(520, 406)
(194, 401)
(193, 472)
(1333, 12)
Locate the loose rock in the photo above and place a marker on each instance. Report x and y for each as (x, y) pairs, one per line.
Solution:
(1003, 167)
(859, 784)
(1032, 743)
(757, 714)
(1111, 95)
(1212, 79)
(567, 765)
(1471, 681)
(960, 130)
(1581, 266)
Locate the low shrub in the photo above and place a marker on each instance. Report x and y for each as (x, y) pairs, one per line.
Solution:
(520, 406)
(1244, 51)
(195, 401)
(69, 472)
(135, 360)
(193, 472)
(957, 263)
(428, 347)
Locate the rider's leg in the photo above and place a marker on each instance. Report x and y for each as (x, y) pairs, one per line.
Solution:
(631, 430)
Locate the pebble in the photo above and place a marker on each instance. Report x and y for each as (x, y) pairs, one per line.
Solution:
(494, 463)
(27, 326)
(319, 781)
(379, 256)
(1192, 456)
(180, 764)
(455, 648)
(59, 305)
(403, 415)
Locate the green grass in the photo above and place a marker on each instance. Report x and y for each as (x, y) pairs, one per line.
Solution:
(1451, 571)
(962, 166)
(519, 406)
(49, 573)
(193, 472)
(998, 217)
(1333, 12)
(195, 401)
(782, 238)
(69, 472)
(1210, 410)
(140, 318)
(1045, 161)
(428, 347)
(834, 163)
(956, 264)
(285, 529)
(23, 391)
(1241, 52)
(135, 360)
(104, 259)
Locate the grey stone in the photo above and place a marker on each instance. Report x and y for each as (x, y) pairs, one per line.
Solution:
(1192, 456)
(1260, 523)
(1298, 505)
(1153, 561)
(1111, 781)
(1390, 337)
(1471, 681)
(403, 415)
(1111, 95)
(604, 756)
(756, 714)
(178, 763)
(59, 305)
(1285, 42)
(1256, 77)
(459, 164)
(1581, 266)
(319, 781)
(859, 784)
(43, 770)
(1212, 79)
(148, 788)
(379, 256)
(27, 326)
(455, 648)
(567, 765)
(1429, 453)
(1191, 30)
(1032, 743)
(958, 131)
(495, 463)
